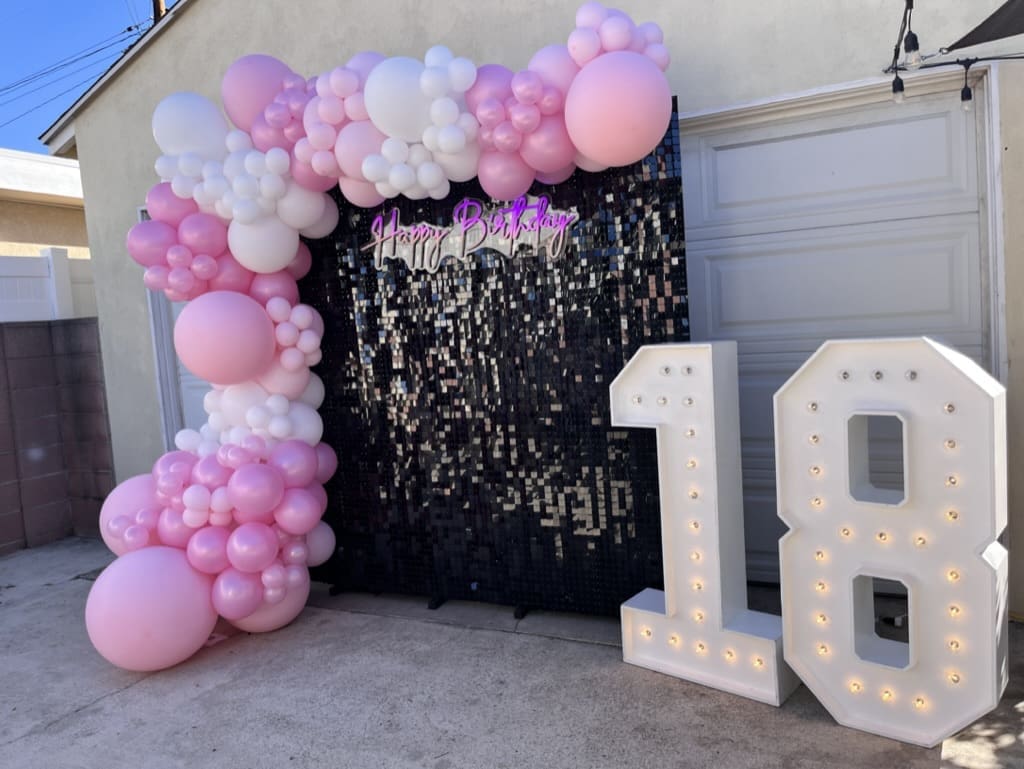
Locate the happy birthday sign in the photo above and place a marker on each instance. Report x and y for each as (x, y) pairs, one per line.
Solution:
(527, 222)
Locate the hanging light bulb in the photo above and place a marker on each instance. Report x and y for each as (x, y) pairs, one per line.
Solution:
(966, 98)
(897, 89)
(913, 51)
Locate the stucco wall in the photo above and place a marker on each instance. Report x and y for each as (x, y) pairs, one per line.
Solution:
(27, 227)
(724, 53)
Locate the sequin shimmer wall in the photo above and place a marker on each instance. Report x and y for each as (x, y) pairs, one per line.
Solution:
(470, 406)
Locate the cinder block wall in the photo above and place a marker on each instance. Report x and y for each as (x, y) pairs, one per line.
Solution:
(55, 459)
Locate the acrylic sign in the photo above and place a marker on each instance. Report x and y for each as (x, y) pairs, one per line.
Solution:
(526, 222)
(935, 532)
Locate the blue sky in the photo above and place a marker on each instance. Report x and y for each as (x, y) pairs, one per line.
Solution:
(53, 50)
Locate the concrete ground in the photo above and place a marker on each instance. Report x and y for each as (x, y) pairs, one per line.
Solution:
(366, 682)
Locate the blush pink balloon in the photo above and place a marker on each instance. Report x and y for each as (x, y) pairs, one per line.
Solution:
(255, 489)
(362, 194)
(171, 528)
(300, 266)
(306, 177)
(207, 549)
(224, 337)
(320, 544)
(127, 498)
(618, 108)
(164, 206)
(491, 112)
(320, 493)
(252, 547)
(525, 118)
(271, 616)
(278, 379)
(505, 137)
(527, 86)
(266, 286)
(155, 277)
(492, 81)
(204, 267)
(356, 141)
(210, 473)
(556, 177)
(298, 512)
(249, 85)
(363, 63)
(231, 276)
(555, 66)
(236, 594)
(175, 461)
(148, 242)
(203, 234)
(326, 462)
(504, 176)
(548, 148)
(149, 610)
(296, 461)
(266, 137)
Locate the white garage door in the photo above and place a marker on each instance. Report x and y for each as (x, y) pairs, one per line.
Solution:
(856, 221)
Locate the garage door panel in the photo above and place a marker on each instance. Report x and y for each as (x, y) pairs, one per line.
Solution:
(877, 163)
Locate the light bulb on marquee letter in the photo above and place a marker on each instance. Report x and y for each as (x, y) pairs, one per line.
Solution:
(936, 535)
(699, 628)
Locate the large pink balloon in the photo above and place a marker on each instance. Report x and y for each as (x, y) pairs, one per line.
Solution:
(548, 148)
(249, 85)
(356, 141)
(320, 542)
(271, 616)
(252, 547)
(493, 81)
(555, 66)
(207, 549)
(150, 610)
(164, 206)
(224, 337)
(618, 108)
(127, 498)
(504, 176)
(255, 489)
(203, 234)
(359, 193)
(236, 594)
(148, 242)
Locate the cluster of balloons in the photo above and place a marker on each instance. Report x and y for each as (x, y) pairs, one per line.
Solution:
(227, 524)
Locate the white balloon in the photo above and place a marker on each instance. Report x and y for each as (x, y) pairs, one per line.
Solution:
(238, 434)
(246, 186)
(394, 150)
(418, 155)
(278, 404)
(166, 167)
(324, 227)
(207, 448)
(375, 168)
(416, 192)
(299, 207)
(280, 427)
(267, 206)
(200, 195)
(272, 186)
(187, 122)
(402, 177)
(430, 175)
(234, 164)
(238, 140)
(218, 421)
(306, 423)
(190, 164)
(223, 210)
(385, 189)
(207, 433)
(314, 393)
(258, 417)
(462, 74)
(444, 111)
(266, 245)
(238, 399)
(430, 138)
(441, 191)
(278, 161)
(187, 440)
(434, 82)
(438, 56)
(460, 167)
(212, 168)
(211, 401)
(182, 186)
(246, 211)
(469, 125)
(451, 140)
(216, 186)
(256, 163)
(394, 100)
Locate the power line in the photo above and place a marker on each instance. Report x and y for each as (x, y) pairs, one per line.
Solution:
(102, 63)
(44, 103)
(85, 53)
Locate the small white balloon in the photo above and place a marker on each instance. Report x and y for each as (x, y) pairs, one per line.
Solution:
(438, 56)
(451, 139)
(182, 186)
(441, 191)
(278, 404)
(212, 400)
(402, 177)
(212, 168)
(255, 163)
(434, 82)
(220, 500)
(418, 155)
(300, 207)
(189, 440)
(430, 138)
(430, 175)
(395, 150)
(272, 186)
(461, 166)
(238, 399)
(266, 245)
(469, 125)
(375, 168)
(166, 167)
(385, 189)
(258, 417)
(246, 211)
(306, 423)
(207, 448)
(462, 74)
(267, 205)
(246, 186)
(238, 140)
(278, 161)
(314, 393)
(280, 427)
(238, 434)
(444, 111)
(190, 164)
(223, 210)
(416, 192)
(218, 421)
(326, 224)
(216, 186)
(200, 195)
(234, 164)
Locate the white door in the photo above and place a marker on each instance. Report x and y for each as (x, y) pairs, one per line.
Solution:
(837, 220)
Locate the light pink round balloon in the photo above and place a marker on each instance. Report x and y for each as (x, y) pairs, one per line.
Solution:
(207, 549)
(492, 81)
(150, 610)
(556, 177)
(148, 242)
(327, 462)
(300, 266)
(224, 337)
(548, 148)
(255, 489)
(203, 234)
(320, 544)
(363, 63)
(265, 286)
(555, 66)
(358, 193)
(127, 498)
(249, 85)
(164, 206)
(504, 176)
(298, 513)
(356, 141)
(172, 530)
(618, 108)
(252, 547)
(271, 616)
(306, 177)
(278, 379)
(296, 461)
(236, 594)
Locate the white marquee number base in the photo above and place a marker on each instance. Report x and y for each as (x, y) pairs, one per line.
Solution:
(699, 628)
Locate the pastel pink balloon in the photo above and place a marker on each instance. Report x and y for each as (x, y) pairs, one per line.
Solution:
(556, 177)
(271, 616)
(320, 493)
(203, 234)
(505, 137)
(172, 530)
(618, 108)
(231, 276)
(181, 279)
(265, 136)
(527, 86)
(179, 256)
(236, 594)
(255, 489)
(306, 177)
(504, 176)
(298, 512)
(524, 117)
(164, 206)
(548, 148)
(356, 141)
(555, 66)
(249, 85)
(252, 547)
(127, 498)
(224, 337)
(207, 549)
(616, 33)
(296, 461)
(326, 462)
(363, 63)
(149, 610)
(551, 101)
(294, 553)
(491, 112)
(266, 286)
(210, 473)
(204, 267)
(355, 107)
(584, 44)
(299, 267)
(492, 81)
(278, 379)
(147, 242)
(320, 543)
(173, 461)
(155, 277)
(362, 194)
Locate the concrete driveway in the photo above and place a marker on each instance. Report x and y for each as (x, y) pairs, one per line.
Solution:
(366, 682)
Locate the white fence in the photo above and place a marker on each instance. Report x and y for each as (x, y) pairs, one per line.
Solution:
(45, 287)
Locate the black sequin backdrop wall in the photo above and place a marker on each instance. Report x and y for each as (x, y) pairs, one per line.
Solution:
(469, 407)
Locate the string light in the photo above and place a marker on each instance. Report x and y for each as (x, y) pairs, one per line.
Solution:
(954, 611)
(819, 555)
(695, 555)
(698, 616)
(821, 587)
(954, 645)
(954, 678)
(758, 662)
(952, 515)
(887, 695)
(822, 619)
(953, 575)
(919, 703)
(646, 632)
(882, 536)
(729, 654)
(822, 650)
(856, 687)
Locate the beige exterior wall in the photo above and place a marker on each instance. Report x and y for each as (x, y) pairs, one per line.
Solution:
(723, 54)
(25, 228)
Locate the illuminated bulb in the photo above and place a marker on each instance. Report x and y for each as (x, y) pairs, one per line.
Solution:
(953, 575)
(822, 650)
(855, 687)
(637, 400)
(819, 555)
(954, 645)
(952, 515)
(646, 632)
(691, 464)
(814, 439)
(951, 480)
(949, 408)
(920, 541)
(845, 532)
(954, 678)
(662, 401)
(887, 694)
(919, 702)
(814, 470)
(817, 502)
(701, 648)
(688, 401)
(691, 433)
(674, 640)
(821, 587)
(698, 616)
(695, 525)
(822, 619)
(698, 586)
(951, 444)
(695, 556)
(882, 536)
(694, 493)
(812, 406)
(758, 662)
(729, 655)
(954, 611)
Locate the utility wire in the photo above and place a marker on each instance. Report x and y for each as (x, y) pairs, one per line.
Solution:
(67, 61)
(102, 63)
(44, 103)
